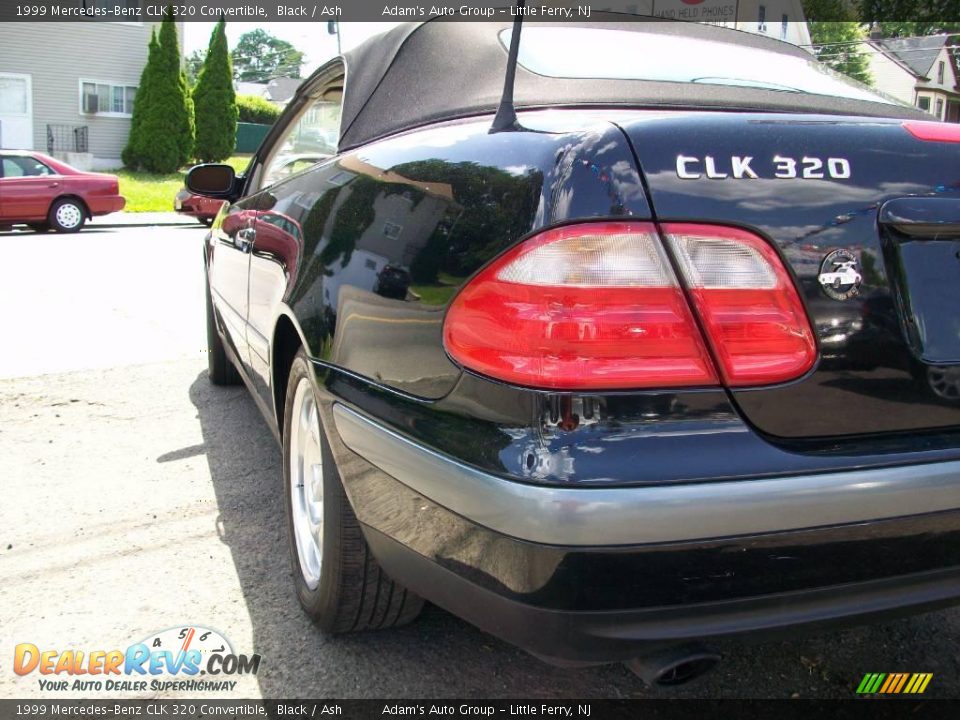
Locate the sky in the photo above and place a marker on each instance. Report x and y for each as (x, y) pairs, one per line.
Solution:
(309, 37)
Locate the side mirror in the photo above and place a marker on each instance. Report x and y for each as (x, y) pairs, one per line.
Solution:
(214, 180)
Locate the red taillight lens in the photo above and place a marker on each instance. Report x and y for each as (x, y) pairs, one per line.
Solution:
(933, 131)
(749, 306)
(598, 306)
(583, 307)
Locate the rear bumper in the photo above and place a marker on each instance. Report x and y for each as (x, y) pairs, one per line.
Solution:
(591, 574)
(594, 637)
(652, 514)
(106, 205)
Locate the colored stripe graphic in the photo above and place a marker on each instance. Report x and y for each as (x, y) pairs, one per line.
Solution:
(903, 680)
(894, 683)
(911, 684)
(890, 683)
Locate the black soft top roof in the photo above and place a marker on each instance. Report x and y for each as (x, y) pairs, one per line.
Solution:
(418, 73)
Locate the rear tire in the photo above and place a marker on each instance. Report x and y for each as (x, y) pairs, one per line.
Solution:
(338, 581)
(67, 215)
(220, 369)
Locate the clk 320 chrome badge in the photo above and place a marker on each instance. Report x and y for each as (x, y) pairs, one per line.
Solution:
(741, 167)
(840, 275)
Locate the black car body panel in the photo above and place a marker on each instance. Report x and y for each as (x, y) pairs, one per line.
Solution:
(456, 207)
(829, 497)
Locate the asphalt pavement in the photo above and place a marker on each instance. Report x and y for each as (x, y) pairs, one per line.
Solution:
(137, 497)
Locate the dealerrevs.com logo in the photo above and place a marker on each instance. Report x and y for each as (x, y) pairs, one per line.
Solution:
(167, 661)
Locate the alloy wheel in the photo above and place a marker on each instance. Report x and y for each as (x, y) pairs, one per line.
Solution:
(306, 483)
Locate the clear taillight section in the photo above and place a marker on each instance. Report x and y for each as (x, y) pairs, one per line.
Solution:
(598, 306)
(751, 313)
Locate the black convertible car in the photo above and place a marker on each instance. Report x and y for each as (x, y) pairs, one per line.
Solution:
(647, 338)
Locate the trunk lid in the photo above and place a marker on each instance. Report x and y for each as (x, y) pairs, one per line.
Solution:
(867, 218)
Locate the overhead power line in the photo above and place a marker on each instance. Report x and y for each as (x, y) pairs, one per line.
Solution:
(877, 40)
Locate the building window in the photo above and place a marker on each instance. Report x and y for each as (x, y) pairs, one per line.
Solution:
(762, 19)
(939, 112)
(923, 103)
(392, 230)
(783, 27)
(941, 68)
(97, 98)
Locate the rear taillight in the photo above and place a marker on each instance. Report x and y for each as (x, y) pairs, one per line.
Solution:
(580, 307)
(747, 302)
(933, 131)
(598, 306)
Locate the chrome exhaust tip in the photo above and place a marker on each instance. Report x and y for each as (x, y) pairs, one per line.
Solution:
(674, 665)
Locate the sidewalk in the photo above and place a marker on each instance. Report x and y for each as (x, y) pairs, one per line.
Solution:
(144, 219)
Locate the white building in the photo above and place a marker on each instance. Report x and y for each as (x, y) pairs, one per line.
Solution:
(67, 88)
(277, 90)
(919, 71)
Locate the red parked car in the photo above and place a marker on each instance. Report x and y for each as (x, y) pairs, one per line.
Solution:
(205, 209)
(46, 194)
(202, 208)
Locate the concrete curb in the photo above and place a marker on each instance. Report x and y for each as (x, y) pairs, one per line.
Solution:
(147, 219)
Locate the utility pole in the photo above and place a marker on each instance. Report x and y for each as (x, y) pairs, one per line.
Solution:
(333, 28)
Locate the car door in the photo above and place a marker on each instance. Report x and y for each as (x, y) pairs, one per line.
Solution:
(285, 196)
(230, 244)
(27, 188)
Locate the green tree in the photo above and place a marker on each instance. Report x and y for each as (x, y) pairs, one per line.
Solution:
(215, 102)
(195, 62)
(260, 56)
(909, 18)
(840, 46)
(838, 37)
(166, 136)
(141, 105)
(914, 29)
(255, 109)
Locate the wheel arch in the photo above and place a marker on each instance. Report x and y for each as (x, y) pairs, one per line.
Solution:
(75, 197)
(287, 339)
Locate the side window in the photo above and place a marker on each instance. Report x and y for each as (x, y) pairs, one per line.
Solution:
(18, 166)
(312, 137)
(35, 167)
